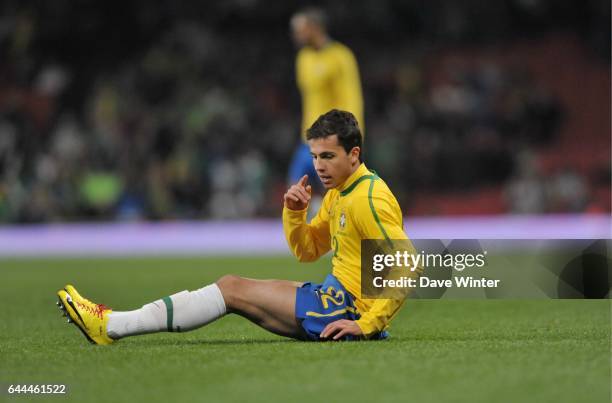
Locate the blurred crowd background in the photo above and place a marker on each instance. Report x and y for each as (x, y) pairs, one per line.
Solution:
(179, 110)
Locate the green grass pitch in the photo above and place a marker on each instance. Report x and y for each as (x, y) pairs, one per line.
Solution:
(440, 350)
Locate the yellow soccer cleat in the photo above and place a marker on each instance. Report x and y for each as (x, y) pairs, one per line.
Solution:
(89, 317)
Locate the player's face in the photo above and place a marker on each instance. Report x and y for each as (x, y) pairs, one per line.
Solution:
(332, 163)
(301, 30)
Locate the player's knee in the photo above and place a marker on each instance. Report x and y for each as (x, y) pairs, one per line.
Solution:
(230, 286)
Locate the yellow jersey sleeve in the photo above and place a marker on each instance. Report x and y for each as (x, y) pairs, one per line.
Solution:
(328, 79)
(380, 218)
(307, 241)
(348, 85)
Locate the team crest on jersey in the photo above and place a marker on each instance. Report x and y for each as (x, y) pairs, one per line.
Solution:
(342, 220)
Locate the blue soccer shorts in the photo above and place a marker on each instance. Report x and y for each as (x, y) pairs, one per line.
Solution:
(317, 305)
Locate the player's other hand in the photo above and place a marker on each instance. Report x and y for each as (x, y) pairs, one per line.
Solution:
(298, 195)
(340, 328)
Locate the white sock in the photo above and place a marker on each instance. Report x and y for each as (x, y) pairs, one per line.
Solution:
(179, 312)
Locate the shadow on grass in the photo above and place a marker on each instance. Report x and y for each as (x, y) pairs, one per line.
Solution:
(249, 342)
(217, 342)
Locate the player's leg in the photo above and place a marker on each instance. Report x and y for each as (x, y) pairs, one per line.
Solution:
(267, 303)
(179, 312)
(296, 166)
(183, 311)
(317, 188)
(301, 164)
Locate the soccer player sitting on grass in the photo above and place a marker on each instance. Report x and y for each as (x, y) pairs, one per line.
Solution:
(358, 205)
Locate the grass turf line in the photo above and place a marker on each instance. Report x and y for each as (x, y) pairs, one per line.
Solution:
(440, 350)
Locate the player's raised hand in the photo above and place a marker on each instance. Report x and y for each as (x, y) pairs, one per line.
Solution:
(298, 196)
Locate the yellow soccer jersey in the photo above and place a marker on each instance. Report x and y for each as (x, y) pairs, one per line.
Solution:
(362, 208)
(328, 78)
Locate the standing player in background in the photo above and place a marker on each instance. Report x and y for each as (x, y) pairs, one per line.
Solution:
(327, 77)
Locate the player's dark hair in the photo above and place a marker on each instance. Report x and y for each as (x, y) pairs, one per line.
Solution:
(341, 123)
(315, 15)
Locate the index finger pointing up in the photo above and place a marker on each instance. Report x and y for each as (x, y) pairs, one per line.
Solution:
(303, 181)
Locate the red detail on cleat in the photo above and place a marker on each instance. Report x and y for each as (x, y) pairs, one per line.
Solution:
(98, 310)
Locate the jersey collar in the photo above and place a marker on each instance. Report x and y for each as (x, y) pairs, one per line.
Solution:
(360, 174)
